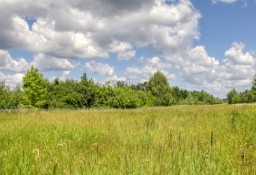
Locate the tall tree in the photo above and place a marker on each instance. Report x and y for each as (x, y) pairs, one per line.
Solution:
(254, 83)
(88, 91)
(4, 95)
(233, 97)
(159, 87)
(34, 89)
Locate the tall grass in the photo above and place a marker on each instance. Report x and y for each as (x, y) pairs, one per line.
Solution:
(176, 140)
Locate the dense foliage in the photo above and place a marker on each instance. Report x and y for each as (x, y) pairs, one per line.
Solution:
(34, 92)
(248, 96)
(37, 92)
(9, 99)
(159, 87)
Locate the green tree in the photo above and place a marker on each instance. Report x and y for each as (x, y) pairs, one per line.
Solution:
(4, 95)
(16, 97)
(120, 83)
(254, 83)
(9, 99)
(179, 94)
(126, 97)
(159, 87)
(104, 95)
(34, 89)
(140, 86)
(232, 96)
(253, 90)
(88, 91)
(64, 94)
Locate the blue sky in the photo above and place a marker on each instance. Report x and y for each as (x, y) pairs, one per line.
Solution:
(199, 44)
(225, 23)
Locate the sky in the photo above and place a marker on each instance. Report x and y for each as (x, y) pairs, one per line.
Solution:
(205, 45)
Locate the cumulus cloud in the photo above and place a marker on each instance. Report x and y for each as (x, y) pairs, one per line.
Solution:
(12, 79)
(87, 29)
(200, 56)
(238, 68)
(94, 29)
(127, 55)
(124, 50)
(63, 76)
(100, 68)
(244, 2)
(9, 63)
(44, 63)
(205, 72)
(198, 66)
(44, 38)
(236, 56)
(41, 61)
(149, 67)
(64, 44)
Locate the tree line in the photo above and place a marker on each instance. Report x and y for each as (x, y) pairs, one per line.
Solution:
(247, 96)
(37, 92)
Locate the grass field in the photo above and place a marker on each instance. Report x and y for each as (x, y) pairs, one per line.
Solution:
(217, 139)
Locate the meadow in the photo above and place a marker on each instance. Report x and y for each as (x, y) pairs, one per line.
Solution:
(217, 139)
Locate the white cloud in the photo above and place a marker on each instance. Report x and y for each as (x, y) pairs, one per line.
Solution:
(198, 67)
(11, 80)
(44, 63)
(127, 55)
(9, 63)
(205, 72)
(224, 1)
(70, 18)
(62, 77)
(117, 46)
(124, 50)
(200, 56)
(93, 29)
(100, 68)
(149, 67)
(64, 44)
(244, 2)
(86, 29)
(20, 65)
(236, 56)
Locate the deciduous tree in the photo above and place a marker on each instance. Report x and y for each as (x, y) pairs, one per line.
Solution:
(34, 89)
(159, 87)
(254, 83)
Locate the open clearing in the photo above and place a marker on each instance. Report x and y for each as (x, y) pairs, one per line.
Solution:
(216, 139)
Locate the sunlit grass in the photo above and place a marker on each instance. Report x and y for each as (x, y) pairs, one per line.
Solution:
(176, 140)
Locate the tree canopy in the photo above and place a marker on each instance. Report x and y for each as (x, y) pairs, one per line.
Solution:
(159, 87)
(37, 92)
(248, 96)
(254, 83)
(34, 89)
